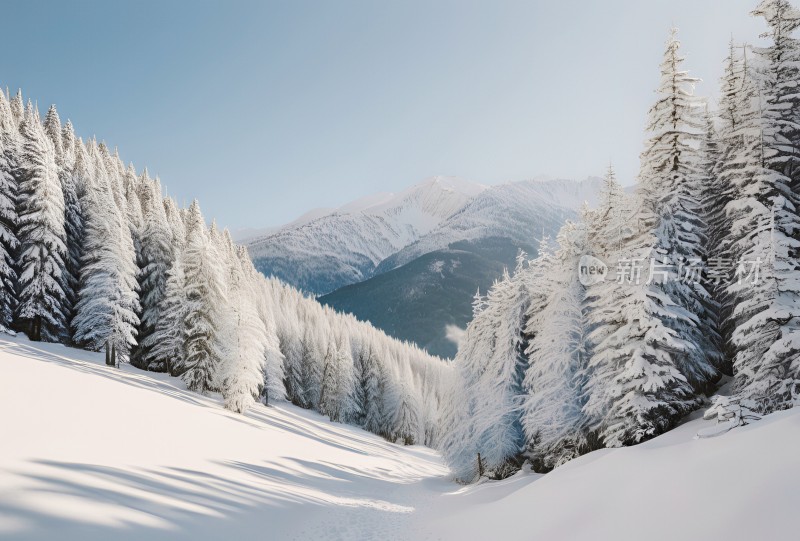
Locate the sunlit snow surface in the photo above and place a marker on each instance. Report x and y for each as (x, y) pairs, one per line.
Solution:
(94, 453)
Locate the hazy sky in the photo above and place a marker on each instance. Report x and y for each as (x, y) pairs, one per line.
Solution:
(263, 110)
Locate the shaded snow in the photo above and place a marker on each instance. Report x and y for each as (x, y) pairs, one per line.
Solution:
(97, 453)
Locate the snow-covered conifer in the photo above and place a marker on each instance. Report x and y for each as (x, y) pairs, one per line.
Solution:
(155, 259)
(552, 410)
(242, 370)
(41, 234)
(108, 302)
(8, 214)
(203, 293)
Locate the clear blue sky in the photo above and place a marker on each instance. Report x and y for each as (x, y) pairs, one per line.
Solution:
(263, 110)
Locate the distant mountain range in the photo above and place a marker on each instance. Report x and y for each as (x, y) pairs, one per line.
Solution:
(346, 245)
(411, 262)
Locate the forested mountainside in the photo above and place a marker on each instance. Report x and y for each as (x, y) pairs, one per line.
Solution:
(423, 293)
(692, 277)
(428, 301)
(93, 255)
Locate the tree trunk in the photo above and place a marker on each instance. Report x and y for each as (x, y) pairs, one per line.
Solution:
(36, 329)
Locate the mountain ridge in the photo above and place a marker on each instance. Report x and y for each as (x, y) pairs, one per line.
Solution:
(362, 238)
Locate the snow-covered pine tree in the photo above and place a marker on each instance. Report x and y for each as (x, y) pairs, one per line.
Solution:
(429, 385)
(273, 388)
(764, 226)
(156, 257)
(670, 185)
(406, 423)
(289, 344)
(289, 337)
(108, 302)
(610, 223)
(63, 139)
(713, 198)
(491, 366)
(52, 127)
(362, 352)
(649, 359)
(203, 293)
(41, 235)
(8, 214)
(374, 391)
(164, 346)
(337, 380)
(312, 358)
(781, 103)
(72, 171)
(133, 208)
(241, 373)
(18, 108)
(175, 221)
(552, 410)
(739, 108)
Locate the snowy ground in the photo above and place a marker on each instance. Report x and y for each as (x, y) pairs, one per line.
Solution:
(94, 453)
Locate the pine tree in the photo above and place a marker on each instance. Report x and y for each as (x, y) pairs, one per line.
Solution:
(406, 428)
(41, 235)
(52, 127)
(336, 394)
(203, 292)
(8, 215)
(71, 169)
(18, 108)
(649, 351)
(374, 393)
(163, 348)
(764, 225)
(108, 302)
(312, 362)
(713, 199)
(552, 410)
(242, 371)
(290, 344)
(671, 192)
(273, 388)
(156, 255)
(491, 366)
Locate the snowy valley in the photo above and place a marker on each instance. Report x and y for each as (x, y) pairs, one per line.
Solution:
(171, 464)
(629, 367)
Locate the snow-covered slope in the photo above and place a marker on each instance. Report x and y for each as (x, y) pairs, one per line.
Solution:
(345, 246)
(520, 211)
(95, 453)
(247, 235)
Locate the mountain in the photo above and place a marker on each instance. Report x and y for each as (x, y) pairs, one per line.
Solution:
(410, 263)
(247, 235)
(423, 293)
(521, 211)
(429, 300)
(98, 453)
(346, 245)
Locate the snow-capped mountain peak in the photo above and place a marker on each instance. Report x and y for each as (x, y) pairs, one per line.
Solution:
(347, 244)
